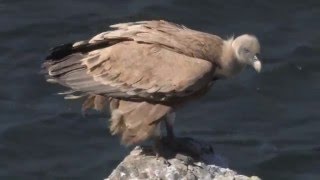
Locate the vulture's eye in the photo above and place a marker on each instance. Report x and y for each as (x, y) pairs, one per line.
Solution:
(246, 50)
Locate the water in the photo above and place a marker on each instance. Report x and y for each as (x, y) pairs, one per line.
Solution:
(266, 124)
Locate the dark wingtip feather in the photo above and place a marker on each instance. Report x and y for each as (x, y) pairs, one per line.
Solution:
(60, 51)
(64, 50)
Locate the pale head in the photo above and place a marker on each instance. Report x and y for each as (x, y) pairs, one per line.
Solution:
(246, 48)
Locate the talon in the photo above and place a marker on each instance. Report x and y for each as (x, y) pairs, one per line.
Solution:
(157, 147)
(165, 161)
(160, 151)
(157, 156)
(186, 159)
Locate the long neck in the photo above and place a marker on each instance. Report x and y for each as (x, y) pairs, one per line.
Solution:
(228, 63)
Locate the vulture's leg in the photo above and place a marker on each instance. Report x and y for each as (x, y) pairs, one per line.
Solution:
(182, 146)
(159, 146)
(169, 121)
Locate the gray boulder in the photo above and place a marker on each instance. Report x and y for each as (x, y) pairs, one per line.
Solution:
(192, 160)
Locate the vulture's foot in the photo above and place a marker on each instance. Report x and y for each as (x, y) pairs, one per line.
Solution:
(186, 149)
(159, 150)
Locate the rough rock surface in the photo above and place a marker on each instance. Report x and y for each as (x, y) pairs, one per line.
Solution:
(201, 163)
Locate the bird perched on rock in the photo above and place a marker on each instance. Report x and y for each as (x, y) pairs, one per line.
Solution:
(145, 70)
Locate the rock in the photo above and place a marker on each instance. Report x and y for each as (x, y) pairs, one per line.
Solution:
(200, 162)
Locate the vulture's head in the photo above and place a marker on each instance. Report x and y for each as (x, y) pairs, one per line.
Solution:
(246, 48)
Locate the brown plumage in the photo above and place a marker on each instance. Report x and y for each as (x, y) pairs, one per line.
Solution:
(146, 69)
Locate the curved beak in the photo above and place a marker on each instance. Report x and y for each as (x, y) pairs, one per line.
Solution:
(256, 64)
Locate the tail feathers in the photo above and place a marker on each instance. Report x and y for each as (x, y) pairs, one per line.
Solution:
(71, 73)
(64, 66)
(67, 64)
(67, 57)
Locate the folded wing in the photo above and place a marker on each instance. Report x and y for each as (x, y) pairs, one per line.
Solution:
(132, 70)
(149, 60)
